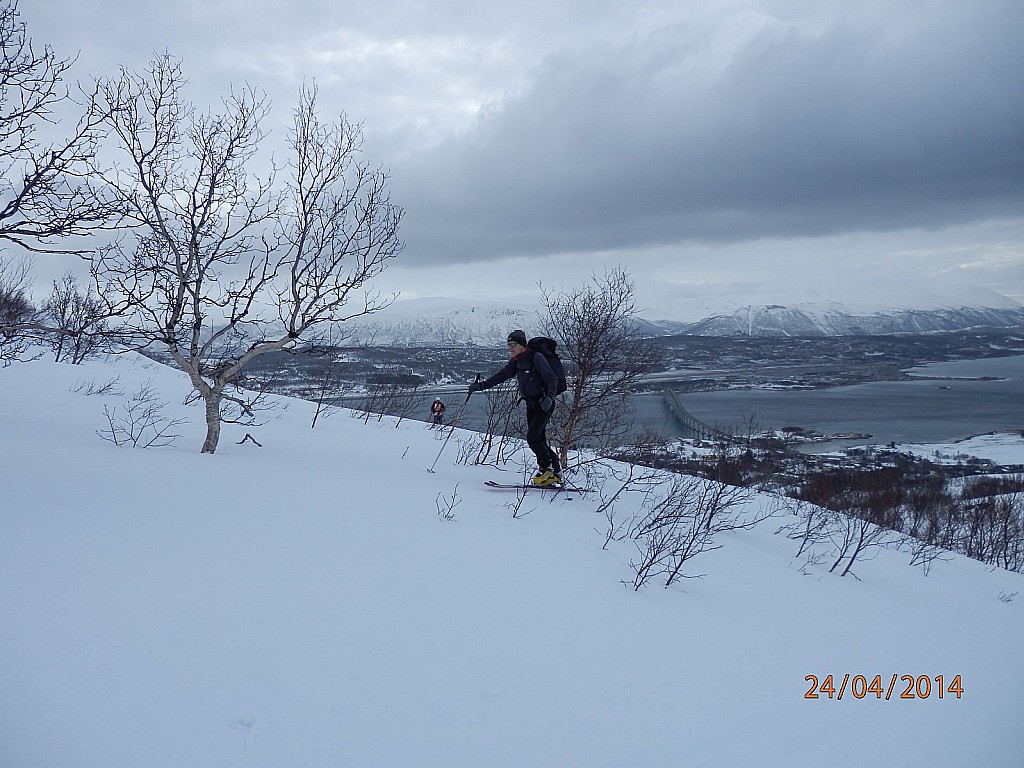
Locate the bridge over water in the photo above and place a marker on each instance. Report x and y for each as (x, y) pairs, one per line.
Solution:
(690, 423)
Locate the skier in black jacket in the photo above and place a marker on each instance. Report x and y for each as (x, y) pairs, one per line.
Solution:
(537, 383)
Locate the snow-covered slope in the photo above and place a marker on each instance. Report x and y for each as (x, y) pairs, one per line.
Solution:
(307, 603)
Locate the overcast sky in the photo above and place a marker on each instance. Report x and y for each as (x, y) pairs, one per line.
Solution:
(729, 150)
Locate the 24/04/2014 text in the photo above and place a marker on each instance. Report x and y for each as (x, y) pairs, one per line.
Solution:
(858, 686)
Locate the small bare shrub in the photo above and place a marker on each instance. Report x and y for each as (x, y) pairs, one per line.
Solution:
(504, 429)
(92, 387)
(812, 525)
(683, 522)
(395, 392)
(16, 310)
(140, 423)
(446, 505)
(924, 555)
(854, 537)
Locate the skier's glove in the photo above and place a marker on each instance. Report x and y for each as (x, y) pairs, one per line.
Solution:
(547, 403)
(476, 386)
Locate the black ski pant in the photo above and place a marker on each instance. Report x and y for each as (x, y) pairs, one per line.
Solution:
(537, 438)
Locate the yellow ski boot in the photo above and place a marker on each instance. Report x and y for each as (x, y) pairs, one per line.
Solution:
(546, 478)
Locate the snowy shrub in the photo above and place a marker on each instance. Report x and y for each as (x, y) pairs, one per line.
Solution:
(140, 422)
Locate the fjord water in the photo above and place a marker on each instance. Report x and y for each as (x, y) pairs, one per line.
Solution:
(947, 401)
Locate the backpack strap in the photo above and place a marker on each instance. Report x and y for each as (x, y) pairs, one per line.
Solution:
(533, 370)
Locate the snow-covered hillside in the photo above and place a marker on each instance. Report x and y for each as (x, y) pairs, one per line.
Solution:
(441, 321)
(323, 600)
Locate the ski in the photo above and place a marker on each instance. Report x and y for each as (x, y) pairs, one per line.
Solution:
(531, 487)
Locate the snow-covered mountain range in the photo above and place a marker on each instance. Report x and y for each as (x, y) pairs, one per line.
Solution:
(837, 320)
(447, 322)
(458, 322)
(848, 309)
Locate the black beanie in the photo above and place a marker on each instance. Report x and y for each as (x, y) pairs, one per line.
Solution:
(519, 337)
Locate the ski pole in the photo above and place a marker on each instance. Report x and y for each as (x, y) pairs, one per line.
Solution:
(470, 393)
(455, 423)
(451, 431)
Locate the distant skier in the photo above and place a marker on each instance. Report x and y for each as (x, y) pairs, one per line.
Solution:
(437, 412)
(539, 393)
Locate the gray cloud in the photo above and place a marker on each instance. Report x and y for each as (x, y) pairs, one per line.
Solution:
(907, 120)
(708, 145)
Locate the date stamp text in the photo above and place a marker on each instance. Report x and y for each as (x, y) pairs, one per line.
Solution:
(895, 687)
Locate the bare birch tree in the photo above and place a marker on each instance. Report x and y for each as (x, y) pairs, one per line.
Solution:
(226, 267)
(48, 195)
(594, 325)
(79, 321)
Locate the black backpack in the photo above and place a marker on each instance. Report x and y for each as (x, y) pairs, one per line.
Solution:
(547, 347)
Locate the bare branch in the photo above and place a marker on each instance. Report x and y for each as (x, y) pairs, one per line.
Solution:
(48, 191)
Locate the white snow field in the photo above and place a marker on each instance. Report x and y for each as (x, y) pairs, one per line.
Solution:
(304, 604)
